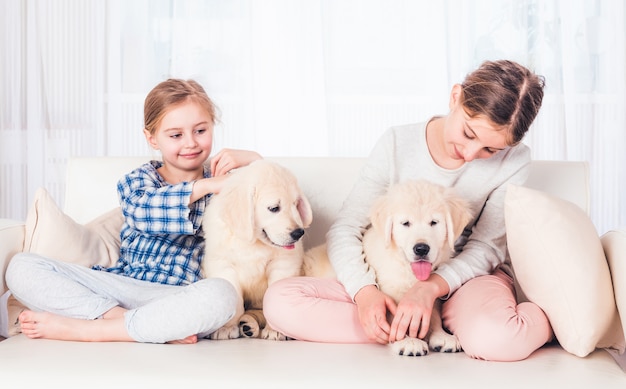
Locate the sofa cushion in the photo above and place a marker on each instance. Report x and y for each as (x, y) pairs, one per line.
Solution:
(51, 233)
(560, 265)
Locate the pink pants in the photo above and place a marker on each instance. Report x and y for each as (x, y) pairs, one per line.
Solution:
(483, 314)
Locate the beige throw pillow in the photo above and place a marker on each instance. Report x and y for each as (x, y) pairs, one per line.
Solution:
(51, 233)
(560, 265)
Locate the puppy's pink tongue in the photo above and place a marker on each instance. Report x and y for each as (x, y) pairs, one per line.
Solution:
(421, 269)
(290, 247)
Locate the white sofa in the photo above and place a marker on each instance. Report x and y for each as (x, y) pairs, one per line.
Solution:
(237, 363)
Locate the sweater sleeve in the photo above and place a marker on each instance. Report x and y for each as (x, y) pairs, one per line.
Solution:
(485, 248)
(344, 238)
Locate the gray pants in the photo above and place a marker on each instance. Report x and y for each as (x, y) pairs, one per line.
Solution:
(157, 313)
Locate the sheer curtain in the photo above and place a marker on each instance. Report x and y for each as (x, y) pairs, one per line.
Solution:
(301, 77)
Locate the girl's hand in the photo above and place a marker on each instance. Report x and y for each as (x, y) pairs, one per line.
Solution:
(229, 159)
(223, 162)
(413, 314)
(372, 305)
(204, 186)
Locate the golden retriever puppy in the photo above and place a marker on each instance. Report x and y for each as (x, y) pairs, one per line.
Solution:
(253, 230)
(413, 230)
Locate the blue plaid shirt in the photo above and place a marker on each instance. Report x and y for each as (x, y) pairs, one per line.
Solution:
(161, 236)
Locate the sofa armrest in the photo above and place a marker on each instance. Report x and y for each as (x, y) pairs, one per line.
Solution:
(11, 243)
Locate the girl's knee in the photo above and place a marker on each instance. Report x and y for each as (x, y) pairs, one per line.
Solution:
(17, 271)
(496, 348)
(276, 291)
(219, 294)
(281, 298)
(514, 339)
(274, 299)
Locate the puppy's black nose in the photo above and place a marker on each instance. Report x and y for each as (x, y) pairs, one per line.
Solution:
(421, 249)
(296, 234)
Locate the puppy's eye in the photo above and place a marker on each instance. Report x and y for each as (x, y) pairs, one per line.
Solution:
(274, 209)
(434, 223)
(406, 223)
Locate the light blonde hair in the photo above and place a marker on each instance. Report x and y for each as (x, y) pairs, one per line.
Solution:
(168, 94)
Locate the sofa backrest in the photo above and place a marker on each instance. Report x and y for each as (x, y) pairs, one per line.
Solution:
(326, 181)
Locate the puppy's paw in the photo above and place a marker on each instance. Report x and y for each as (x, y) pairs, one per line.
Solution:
(271, 334)
(410, 347)
(249, 326)
(226, 332)
(444, 342)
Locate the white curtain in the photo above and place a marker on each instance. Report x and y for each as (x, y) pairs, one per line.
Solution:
(300, 77)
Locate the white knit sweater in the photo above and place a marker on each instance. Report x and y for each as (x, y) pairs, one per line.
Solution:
(402, 154)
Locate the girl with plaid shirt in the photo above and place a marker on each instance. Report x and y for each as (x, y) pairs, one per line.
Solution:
(154, 293)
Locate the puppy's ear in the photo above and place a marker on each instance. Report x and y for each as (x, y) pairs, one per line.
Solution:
(238, 209)
(304, 209)
(458, 215)
(381, 219)
(388, 231)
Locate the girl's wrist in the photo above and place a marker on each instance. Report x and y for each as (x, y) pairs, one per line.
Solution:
(440, 286)
(434, 286)
(203, 187)
(364, 293)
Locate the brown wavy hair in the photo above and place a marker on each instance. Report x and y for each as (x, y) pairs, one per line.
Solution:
(506, 93)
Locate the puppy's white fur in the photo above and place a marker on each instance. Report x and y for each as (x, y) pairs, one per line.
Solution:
(414, 221)
(253, 231)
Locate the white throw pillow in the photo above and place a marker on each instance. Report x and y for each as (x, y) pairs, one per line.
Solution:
(560, 265)
(53, 234)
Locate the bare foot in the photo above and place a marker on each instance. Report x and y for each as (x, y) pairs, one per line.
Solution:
(47, 325)
(191, 339)
(111, 328)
